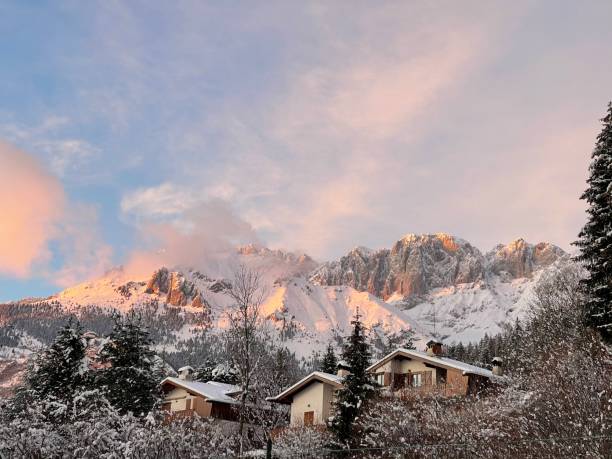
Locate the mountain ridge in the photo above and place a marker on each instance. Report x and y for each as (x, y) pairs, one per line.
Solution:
(429, 283)
(418, 263)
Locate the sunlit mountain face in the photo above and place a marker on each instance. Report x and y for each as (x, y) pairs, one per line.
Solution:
(430, 284)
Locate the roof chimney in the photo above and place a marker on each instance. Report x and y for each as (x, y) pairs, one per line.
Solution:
(434, 348)
(498, 370)
(185, 373)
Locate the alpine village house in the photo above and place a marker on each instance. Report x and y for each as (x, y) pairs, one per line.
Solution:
(311, 398)
(402, 370)
(184, 397)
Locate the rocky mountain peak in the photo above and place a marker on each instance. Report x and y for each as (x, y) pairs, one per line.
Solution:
(418, 263)
(414, 265)
(178, 290)
(521, 259)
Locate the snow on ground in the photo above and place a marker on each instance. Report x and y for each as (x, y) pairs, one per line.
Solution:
(320, 312)
(466, 312)
(315, 314)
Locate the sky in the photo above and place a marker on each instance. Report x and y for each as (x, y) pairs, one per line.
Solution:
(147, 132)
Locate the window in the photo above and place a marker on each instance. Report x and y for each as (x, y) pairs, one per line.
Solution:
(417, 380)
(308, 418)
(380, 379)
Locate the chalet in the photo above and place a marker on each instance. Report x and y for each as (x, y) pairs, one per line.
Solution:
(184, 397)
(311, 397)
(402, 370)
(431, 372)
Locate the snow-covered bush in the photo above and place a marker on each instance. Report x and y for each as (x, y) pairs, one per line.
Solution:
(302, 441)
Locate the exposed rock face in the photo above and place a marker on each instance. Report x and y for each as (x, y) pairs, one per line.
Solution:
(414, 265)
(418, 263)
(178, 290)
(521, 259)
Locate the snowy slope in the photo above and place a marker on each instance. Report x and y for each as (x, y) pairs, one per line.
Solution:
(464, 313)
(430, 284)
(321, 313)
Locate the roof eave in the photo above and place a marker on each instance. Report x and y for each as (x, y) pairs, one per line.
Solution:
(298, 385)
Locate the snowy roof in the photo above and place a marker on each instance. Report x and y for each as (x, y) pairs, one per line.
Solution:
(187, 367)
(228, 388)
(211, 391)
(445, 362)
(326, 378)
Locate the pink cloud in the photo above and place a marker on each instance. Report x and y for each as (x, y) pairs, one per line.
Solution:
(36, 212)
(32, 202)
(200, 237)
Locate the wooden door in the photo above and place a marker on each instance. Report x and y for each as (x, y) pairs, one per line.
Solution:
(308, 418)
(188, 404)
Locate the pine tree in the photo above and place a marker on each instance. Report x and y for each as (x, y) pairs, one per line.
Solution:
(130, 378)
(57, 373)
(204, 373)
(595, 239)
(330, 362)
(357, 385)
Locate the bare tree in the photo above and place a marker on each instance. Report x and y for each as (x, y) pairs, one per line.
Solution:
(245, 332)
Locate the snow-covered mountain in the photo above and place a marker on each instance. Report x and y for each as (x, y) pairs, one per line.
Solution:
(306, 314)
(445, 284)
(431, 283)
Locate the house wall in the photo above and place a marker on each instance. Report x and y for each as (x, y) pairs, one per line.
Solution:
(413, 366)
(456, 382)
(178, 397)
(201, 406)
(329, 393)
(403, 366)
(316, 397)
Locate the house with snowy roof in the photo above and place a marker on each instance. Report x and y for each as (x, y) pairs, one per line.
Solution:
(184, 397)
(311, 398)
(431, 372)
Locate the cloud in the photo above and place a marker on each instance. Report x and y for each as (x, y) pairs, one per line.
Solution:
(32, 203)
(195, 233)
(325, 133)
(313, 162)
(37, 216)
(83, 252)
(157, 202)
(67, 157)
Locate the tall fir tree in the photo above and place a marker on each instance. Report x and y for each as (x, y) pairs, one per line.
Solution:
(56, 374)
(329, 364)
(595, 239)
(357, 385)
(129, 379)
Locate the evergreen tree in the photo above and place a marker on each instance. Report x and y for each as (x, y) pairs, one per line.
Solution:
(595, 239)
(226, 373)
(403, 339)
(357, 387)
(204, 373)
(330, 362)
(285, 367)
(130, 379)
(57, 373)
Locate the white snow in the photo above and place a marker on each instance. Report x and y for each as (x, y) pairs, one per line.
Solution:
(212, 391)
